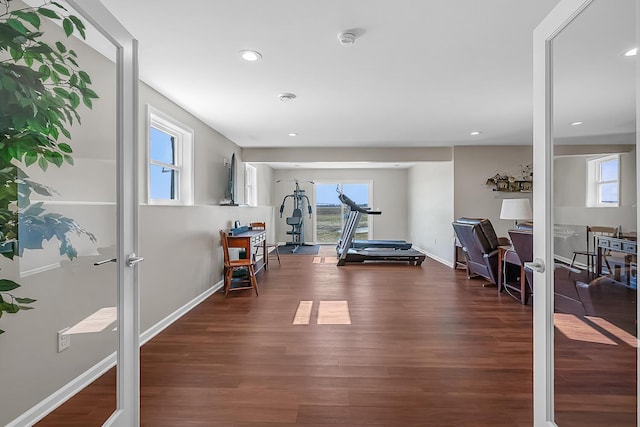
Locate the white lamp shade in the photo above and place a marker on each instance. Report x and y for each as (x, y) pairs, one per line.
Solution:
(516, 209)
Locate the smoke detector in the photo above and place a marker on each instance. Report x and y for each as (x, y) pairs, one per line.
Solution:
(287, 97)
(347, 38)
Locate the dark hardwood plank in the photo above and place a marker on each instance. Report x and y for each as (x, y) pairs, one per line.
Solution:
(426, 346)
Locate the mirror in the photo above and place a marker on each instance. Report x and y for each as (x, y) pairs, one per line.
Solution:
(594, 211)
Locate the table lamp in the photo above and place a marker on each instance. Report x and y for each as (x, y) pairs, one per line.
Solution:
(516, 209)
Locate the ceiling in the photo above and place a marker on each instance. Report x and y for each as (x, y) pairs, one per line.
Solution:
(420, 73)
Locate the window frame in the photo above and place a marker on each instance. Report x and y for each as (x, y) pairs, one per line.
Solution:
(183, 157)
(595, 182)
(250, 184)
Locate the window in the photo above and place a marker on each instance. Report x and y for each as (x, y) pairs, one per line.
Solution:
(603, 178)
(251, 185)
(331, 214)
(170, 161)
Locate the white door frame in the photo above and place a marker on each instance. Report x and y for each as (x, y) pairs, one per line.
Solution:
(543, 333)
(127, 411)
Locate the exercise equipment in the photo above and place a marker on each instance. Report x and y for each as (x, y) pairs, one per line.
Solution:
(370, 250)
(296, 220)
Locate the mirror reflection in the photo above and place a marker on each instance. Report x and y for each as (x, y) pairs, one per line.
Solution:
(595, 228)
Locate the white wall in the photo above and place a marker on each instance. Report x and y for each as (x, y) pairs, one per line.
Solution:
(389, 196)
(430, 209)
(472, 167)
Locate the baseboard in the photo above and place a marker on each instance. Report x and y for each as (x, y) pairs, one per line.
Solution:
(164, 323)
(435, 257)
(69, 390)
(37, 270)
(63, 394)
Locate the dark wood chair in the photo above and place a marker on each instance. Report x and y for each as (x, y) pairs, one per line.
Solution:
(592, 235)
(263, 227)
(231, 265)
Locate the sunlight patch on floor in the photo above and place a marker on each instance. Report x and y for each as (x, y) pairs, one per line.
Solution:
(334, 313)
(303, 313)
(98, 321)
(577, 330)
(617, 332)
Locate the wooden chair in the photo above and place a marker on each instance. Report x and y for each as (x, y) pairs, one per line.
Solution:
(592, 235)
(231, 265)
(263, 226)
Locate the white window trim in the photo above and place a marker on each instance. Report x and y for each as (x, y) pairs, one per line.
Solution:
(184, 156)
(593, 181)
(251, 184)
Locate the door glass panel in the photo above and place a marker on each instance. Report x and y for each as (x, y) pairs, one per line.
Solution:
(328, 213)
(66, 222)
(594, 244)
(359, 193)
(331, 214)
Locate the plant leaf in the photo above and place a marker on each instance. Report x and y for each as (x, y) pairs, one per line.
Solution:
(48, 13)
(84, 76)
(31, 17)
(68, 26)
(61, 48)
(25, 300)
(17, 25)
(8, 285)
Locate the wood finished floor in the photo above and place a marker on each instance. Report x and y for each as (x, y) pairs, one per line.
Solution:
(426, 347)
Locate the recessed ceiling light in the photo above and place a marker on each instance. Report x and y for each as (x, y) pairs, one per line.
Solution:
(475, 132)
(287, 97)
(250, 55)
(631, 52)
(293, 134)
(575, 123)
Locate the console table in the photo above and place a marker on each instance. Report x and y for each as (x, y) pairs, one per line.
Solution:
(615, 244)
(247, 240)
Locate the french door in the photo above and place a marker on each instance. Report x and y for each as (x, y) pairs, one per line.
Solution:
(126, 411)
(579, 55)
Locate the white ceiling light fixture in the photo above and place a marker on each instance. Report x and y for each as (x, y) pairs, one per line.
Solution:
(631, 52)
(576, 123)
(287, 97)
(293, 134)
(475, 133)
(250, 55)
(347, 38)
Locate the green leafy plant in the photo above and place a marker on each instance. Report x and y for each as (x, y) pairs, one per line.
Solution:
(41, 88)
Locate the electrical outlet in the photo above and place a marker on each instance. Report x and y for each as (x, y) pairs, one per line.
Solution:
(64, 340)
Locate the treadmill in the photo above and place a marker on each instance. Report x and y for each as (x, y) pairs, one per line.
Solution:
(371, 250)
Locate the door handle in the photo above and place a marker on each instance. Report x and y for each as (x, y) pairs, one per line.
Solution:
(537, 265)
(133, 259)
(104, 261)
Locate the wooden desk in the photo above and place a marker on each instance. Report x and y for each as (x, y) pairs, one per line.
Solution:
(626, 246)
(247, 241)
(502, 282)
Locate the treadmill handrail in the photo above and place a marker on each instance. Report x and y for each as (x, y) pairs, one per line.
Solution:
(354, 207)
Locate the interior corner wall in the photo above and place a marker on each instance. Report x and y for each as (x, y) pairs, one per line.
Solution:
(472, 166)
(430, 209)
(389, 196)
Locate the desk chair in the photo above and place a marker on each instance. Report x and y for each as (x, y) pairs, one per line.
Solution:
(592, 235)
(262, 226)
(231, 265)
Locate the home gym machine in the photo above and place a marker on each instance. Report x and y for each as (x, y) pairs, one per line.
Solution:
(371, 250)
(296, 220)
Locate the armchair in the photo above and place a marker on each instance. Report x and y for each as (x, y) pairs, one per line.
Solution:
(480, 244)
